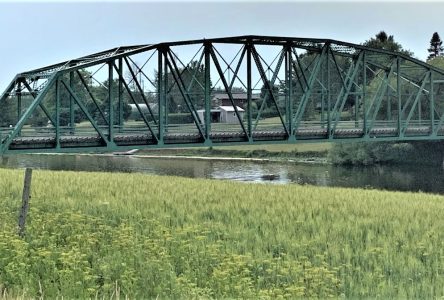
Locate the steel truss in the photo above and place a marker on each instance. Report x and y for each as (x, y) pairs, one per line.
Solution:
(295, 89)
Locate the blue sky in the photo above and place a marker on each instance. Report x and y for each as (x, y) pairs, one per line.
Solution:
(35, 34)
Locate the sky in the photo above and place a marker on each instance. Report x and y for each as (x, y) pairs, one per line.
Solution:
(35, 34)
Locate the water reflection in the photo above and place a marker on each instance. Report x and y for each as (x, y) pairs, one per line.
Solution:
(403, 178)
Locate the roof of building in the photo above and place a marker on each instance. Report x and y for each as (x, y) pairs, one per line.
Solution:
(212, 110)
(230, 108)
(236, 96)
(143, 105)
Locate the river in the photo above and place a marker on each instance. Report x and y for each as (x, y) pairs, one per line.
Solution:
(402, 178)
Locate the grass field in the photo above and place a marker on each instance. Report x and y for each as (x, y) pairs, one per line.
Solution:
(110, 235)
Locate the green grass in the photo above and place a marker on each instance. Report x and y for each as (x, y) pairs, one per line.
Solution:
(107, 234)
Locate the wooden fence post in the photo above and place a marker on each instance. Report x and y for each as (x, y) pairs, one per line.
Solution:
(25, 201)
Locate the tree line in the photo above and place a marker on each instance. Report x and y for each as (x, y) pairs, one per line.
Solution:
(416, 152)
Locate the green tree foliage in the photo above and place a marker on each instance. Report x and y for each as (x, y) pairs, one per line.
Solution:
(101, 95)
(193, 77)
(388, 152)
(436, 48)
(386, 42)
(265, 95)
(234, 90)
(369, 153)
(339, 67)
(375, 77)
(9, 113)
(438, 86)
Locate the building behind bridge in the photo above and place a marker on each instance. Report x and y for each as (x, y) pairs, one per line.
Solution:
(239, 99)
(222, 110)
(222, 114)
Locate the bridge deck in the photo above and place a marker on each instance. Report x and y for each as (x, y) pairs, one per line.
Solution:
(146, 139)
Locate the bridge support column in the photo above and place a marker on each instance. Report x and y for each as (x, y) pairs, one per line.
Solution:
(110, 107)
(71, 104)
(364, 94)
(249, 95)
(57, 111)
(161, 95)
(327, 59)
(356, 109)
(19, 102)
(432, 104)
(398, 95)
(207, 117)
(289, 93)
(120, 95)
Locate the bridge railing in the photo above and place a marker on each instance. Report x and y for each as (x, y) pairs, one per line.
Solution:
(28, 131)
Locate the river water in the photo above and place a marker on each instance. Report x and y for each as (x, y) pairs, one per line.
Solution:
(402, 178)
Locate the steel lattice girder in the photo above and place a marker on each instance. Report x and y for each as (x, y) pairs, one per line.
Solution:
(330, 90)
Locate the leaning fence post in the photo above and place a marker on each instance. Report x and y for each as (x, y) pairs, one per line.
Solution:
(25, 201)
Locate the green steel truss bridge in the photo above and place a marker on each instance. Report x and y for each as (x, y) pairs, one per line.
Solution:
(269, 89)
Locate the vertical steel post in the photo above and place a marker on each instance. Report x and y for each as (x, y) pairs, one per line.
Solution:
(419, 111)
(364, 90)
(327, 58)
(389, 106)
(19, 100)
(57, 112)
(120, 94)
(432, 104)
(19, 103)
(165, 88)
(398, 90)
(160, 95)
(289, 91)
(249, 93)
(323, 80)
(110, 98)
(71, 103)
(356, 110)
(290, 95)
(207, 92)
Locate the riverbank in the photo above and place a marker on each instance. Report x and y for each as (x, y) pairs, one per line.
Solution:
(303, 153)
(352, 154)
(140, 236)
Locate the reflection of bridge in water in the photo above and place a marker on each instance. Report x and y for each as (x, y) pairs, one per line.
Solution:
(310, 90)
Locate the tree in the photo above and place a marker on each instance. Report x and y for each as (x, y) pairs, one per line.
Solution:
(9, 114)
(193, 77)
(436, 48)
(375, 74)
(370, 153)
(265, 95)
(386, 42)
(101, 94)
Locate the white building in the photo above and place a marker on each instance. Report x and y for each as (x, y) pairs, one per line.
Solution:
(222, 114)
(135, 114)
(228, 114)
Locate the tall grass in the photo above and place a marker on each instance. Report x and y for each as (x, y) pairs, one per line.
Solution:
(141, 236)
